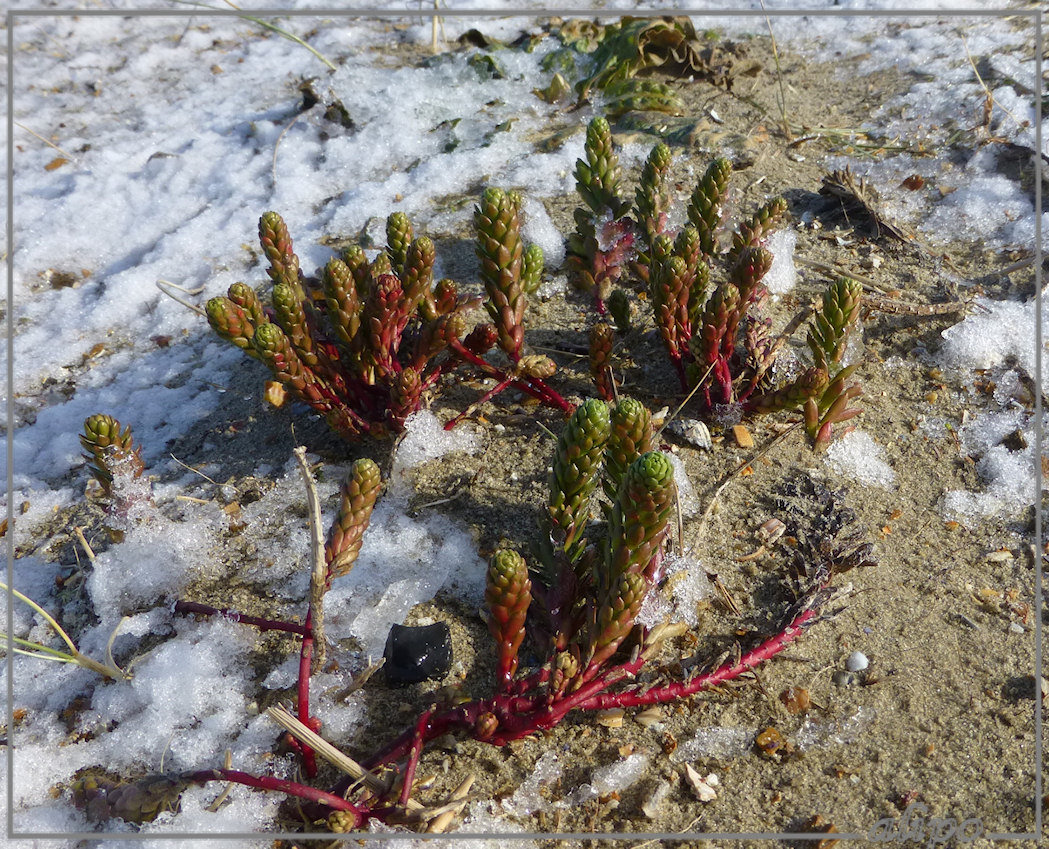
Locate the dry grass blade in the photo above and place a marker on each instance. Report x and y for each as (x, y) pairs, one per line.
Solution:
(221, 798)
(326, 750)
(68, 156)
(161, 284)
(459, 797)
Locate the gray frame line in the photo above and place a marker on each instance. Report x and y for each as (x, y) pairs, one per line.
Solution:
(524, 13)
(9, 624)
(1034, 14)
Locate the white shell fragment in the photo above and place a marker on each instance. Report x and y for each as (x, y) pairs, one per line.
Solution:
(857, 662)
(772, 530)
(702, 787)
(693, 431)
(649, 716)
(650, 807)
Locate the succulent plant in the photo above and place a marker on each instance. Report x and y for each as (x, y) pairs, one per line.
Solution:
(361, 343)
(578, 603)
(707, 318)
(116, 464)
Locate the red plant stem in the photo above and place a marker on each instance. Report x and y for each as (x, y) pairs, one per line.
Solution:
(682, 689)
(413, 757)
(305, 657)
(495, 390)
(309, 760)
(723, 376)
(269, 782)
(679, 366)
(520, 716)
(195, 608)
(548, 395)
(533, 386)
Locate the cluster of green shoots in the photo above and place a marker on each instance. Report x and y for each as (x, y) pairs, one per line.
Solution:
(705, 296)
(577, 602)
(363, 342)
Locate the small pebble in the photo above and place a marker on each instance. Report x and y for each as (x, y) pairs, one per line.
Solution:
(416, 653)
(857, 662)
(1016, 627)
(843, 678)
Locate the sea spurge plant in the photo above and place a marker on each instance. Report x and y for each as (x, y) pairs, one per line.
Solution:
(705, 290)
(357, 499)
(823, 391)
(603, 241)
(107, 448)
(501, 252)
(652, 197)
(363, 342)
(638, 521)
(827, 338)
(706, 205)
(116, 464)
(577, 602)
(577, 459)
(630, 436)
(510, 271)
(602, 339)
(332, 558)
(507, 596)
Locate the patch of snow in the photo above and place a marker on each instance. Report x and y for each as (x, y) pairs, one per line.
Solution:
(858, 456)
(783, 274)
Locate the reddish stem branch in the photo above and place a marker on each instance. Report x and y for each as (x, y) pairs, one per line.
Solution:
(682, 689)
(281, 785)
(194, 608)
(533, 386)
(413, 756)
(521, 715)
(491, 393)
(309, 760)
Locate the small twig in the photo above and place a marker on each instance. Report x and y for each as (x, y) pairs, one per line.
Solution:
(732, 475)
(194, 500)
(79, 533)
(162, 283)
(326, 750)
(830, 269)
(195, 471)
(895, 307)
(359, 680)
(318, 563)
(987, 92)
(681, 406)
(779, 76)
(68, 156)
(440, 824)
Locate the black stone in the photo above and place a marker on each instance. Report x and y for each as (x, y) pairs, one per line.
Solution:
(415, 653)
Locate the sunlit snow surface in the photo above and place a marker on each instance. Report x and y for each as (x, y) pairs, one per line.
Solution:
(176, 133)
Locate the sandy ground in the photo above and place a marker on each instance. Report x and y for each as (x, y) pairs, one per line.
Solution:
(944, 715)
